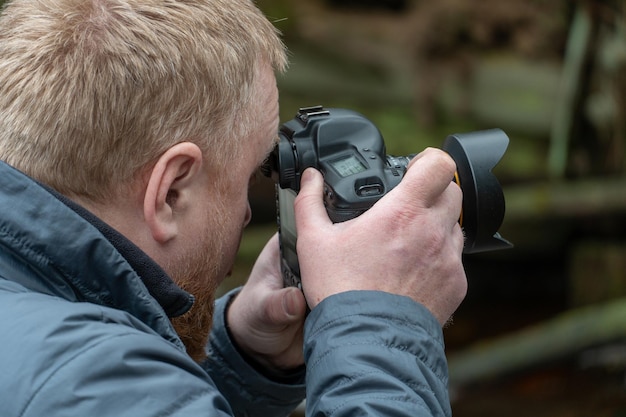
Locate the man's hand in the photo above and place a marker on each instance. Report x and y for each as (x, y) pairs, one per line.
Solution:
(409, 243)
(265, 319)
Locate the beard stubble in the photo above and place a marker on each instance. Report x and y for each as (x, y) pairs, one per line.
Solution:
(197, 272)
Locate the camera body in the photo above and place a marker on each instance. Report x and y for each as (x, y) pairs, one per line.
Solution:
(349, 151)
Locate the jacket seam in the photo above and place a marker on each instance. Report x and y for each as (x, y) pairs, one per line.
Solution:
(39, 257)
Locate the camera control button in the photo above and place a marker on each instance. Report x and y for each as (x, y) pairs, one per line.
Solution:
(369, 190)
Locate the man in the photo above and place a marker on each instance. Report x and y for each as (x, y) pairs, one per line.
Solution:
(130, 131)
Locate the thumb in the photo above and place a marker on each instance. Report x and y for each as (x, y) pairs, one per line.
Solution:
(309, 204)
(286, 306)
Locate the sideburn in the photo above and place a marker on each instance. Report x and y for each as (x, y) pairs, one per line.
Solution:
(197, 272)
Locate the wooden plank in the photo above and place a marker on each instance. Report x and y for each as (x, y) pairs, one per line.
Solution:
(566, 199)
(565, 335)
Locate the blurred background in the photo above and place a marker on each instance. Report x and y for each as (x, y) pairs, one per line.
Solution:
(542, 331)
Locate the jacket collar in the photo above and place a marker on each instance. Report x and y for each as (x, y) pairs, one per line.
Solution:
(80, 256)
(172, 298)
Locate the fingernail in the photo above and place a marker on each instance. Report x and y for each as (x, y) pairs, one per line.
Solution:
(307, 176)
(289, 303)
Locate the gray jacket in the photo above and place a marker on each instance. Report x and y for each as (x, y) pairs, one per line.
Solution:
(84, 318)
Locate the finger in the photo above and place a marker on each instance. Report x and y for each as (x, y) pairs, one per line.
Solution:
(427, 177)
(459, 238)
(452, 201)
(309, 204)
(267, 265)
(294, 303)
(285, 306)
(272, 247)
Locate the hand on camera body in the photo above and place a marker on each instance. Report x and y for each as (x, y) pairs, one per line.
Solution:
(265, 319)
(409, 243)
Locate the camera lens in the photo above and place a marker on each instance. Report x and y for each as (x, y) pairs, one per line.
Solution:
(476, 154)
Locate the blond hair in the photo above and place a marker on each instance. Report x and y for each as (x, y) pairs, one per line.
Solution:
(93, 91)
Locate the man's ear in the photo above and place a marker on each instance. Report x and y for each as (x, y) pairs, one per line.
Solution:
(169, 190)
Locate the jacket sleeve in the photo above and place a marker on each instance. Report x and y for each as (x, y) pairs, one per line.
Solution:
(373, 353)
(249, 392)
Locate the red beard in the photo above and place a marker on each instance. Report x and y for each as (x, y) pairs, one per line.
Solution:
(194, 327)
(198, 274)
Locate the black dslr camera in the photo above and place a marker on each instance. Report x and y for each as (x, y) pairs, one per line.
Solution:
(350, 152)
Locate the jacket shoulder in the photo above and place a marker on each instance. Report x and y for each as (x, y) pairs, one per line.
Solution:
(91, 360)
